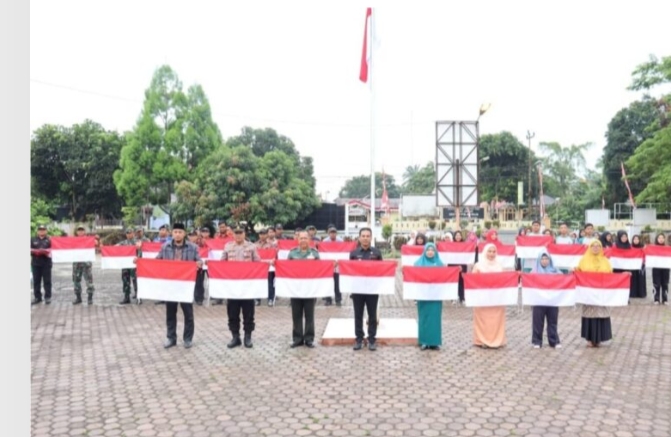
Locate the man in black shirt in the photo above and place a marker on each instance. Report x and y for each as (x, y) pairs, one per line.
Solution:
(40, 252)
(365, 252)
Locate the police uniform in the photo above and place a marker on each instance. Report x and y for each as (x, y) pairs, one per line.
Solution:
(41, 266)
(244, 251)
(369, 301)
(79, 270)
(303, 307)
(128, 275)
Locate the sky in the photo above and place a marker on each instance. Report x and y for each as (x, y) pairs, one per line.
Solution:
(558, 69)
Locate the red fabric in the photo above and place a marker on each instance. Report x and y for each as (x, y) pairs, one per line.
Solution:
(363, 72)
(239, 270)
(490, 281)
(60, 243)
(616, 252)
(368, 268)
(489, 237)
(267, 253)
(291, 244)
(166, 269)
(447, 247)
(567, 249)
(204, 252)
(118, 251)
(412, 250)
(503, 250)
(655, 250)
(337, 246)
(607, 281)
(151, 247)
(533, 240)
(217, 243)
(431, 275)
(548, 282)
(304, 269)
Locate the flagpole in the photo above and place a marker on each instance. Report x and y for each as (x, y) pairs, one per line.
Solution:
(371, 71)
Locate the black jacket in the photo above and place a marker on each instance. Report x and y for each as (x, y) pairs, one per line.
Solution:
(372, 254)
(40, 243)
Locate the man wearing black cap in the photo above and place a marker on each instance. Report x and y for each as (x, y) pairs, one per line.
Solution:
(179, 249)
(82, 269)
(40, 253)
(278, 232)
(128, 275)
(312, 232)
(163, 235)
(240, 250)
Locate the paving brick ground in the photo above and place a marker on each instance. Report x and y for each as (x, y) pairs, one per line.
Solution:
(101, 370)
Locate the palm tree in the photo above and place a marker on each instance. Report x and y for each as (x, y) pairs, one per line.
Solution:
(410, 172)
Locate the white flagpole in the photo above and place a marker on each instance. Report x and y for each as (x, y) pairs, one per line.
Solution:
(371, 73)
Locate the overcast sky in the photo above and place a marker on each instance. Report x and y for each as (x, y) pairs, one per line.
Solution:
(559, 70)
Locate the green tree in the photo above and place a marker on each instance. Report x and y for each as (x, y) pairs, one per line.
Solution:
(422, 181)
(358, 187)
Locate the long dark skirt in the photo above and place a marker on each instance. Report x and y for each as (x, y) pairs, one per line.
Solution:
(596, 330)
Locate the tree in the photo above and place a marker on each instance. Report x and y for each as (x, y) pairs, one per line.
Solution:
(650, 74)
(410, 172)
(358, 187)
(422, 181)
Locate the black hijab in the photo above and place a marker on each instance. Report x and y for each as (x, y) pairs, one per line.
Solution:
(619, 244)
(604, 242)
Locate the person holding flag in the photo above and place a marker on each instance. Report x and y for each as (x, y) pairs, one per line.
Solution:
(303, 307)
(41, 264)
(660, 277)
(128, 275)
(80, 269)
(596, 327)
(429, 312)
(545, 266)
(489, 323)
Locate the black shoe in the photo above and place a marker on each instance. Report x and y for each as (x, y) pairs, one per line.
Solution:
(235, 342)
(36, 301)
(328, 301)
(89, 301)
(248, 341)
(188, 344)
(47, 301)
(169, 343)
(125, 301)
(77, 300)
(217, 302)
(372, 346)
(296, 344)
(199, 303)
(159, 302)
(338, 303)
(358, 345)
(309, 344)
(257, 302)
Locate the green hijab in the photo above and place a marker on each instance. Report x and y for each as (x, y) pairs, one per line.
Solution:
(425, 261)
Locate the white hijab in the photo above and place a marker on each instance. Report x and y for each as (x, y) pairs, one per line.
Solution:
(484, 265)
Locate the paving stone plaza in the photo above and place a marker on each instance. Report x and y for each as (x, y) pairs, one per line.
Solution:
(101, 370)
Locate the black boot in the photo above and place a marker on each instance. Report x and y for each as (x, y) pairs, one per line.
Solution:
(126, 300)
(78, 299)
(89, 301)
(248, 339)
(235, 342)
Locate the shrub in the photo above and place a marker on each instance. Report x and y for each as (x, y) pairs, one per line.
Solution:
(399, 241)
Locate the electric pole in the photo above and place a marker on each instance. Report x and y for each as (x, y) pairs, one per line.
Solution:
(530, 135)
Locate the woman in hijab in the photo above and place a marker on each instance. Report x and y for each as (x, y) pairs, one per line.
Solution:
(420, 239)
(447, 237)
(596, 326)
(429, 312)
(545, 266)
(606, 240)
(492, 236)
(489, 323)
(622, 242)
(638, 278)
(660, 277)
(459, 238)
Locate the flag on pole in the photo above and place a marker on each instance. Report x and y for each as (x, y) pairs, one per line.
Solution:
(548, 290)
(626, 183)
(410, 254)
(238, 280)
(430, 283)
(491, 289)
(457, 254)
(303, 278)
(367, 277)
(367, 41)
(166, 280)
(602, 289)
(204, 253)
(566, 256)
(505, 255)
(336, 250)
(529, 247)
(73, 249)
(626, 259)
(657, 257)
(150, 250)
(117, 257)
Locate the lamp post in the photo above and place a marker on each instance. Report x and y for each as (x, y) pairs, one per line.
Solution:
(530, 135)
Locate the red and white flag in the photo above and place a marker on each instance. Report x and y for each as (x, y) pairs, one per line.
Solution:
(268, 254)
(216, 247)
(529, 247)
(626, 183)
(368, 277)
(150, 250)
(548, 290)
(431, 283)
(117, 257)
(505, 255)
(238, 280)
(602, 289)
(657, 257)
(73, 249)
(491, 289)
(457, 254)
(566, 256)
(367, 46)
(336, 250)
(626, 259)
(285, 246)
(166, 280)
(304, 278)
(204, 253)
(410, 254)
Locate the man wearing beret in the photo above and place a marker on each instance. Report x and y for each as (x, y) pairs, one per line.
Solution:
(40, 254)
(128, 275)
(240, 250)
(82, 269)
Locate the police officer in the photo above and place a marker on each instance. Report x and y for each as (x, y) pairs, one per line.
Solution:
(82, 269)
(40, 254)
(365, 252)
(303, 306)
(128, 275)
(240, 250)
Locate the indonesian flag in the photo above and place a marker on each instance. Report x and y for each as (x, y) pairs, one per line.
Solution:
(285, 247)
(410, 254)
(626, 259)
(304, 278)
(602, 289)
(626, 183)
(367, 46)
(73, 249)
(368, 277)
(548, 290)
(431, 283)
(268, 254)
(118, 257)
(166, 280)
(238, 280)
(216, 247)
(457, 254)
(150, 250)
(566, 256)
(658, 257)
(204, 252)
(505, 255)
(529, 247)
(336, 250)
(491, 289)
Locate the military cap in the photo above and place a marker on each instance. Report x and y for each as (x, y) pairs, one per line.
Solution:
(310, 228)
(263, 231)
(42, 227)
(279, 226)
(81, 228)
(129, 230)
(238, 228)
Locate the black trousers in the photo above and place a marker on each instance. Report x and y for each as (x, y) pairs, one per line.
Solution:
(540, 314)
(660, 282)
(171, 319)
(233, 307)
(299, 308)
(41, 274)
(336, 289)
(462, 295)
(199, 290)
(271, 285)
(369, 301)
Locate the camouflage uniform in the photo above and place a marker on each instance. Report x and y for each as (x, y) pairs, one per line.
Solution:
(79, 270)
(128, 275)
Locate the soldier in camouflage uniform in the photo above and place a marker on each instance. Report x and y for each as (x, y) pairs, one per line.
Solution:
(128, 275)
(79, 270)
